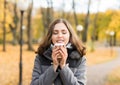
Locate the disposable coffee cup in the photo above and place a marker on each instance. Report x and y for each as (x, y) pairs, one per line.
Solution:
(59, 44)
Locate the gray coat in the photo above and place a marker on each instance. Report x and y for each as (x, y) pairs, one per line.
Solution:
(74, 73)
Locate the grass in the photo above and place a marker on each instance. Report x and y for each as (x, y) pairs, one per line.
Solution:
(114, 77)
(9, 63)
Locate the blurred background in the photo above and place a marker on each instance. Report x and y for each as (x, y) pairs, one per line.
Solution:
(24, 22)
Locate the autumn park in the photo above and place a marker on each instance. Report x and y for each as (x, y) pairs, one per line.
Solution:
(23, 25)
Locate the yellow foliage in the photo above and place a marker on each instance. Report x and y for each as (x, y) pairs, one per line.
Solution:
(8, 19)
(115, 21)
(1, 10)
(108, 12)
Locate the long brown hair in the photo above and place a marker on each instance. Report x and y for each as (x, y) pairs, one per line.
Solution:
(47, 40)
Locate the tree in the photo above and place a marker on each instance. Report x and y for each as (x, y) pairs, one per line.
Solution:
(4, 27)
(29, 30)
(63, 13)
(47, 15)
(95, 27)
(75, 16)
(5, 20)
(114, 25)
(84, 36)
(14, 25)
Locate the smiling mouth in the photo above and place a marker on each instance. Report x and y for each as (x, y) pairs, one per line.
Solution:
(59, 44)
(60, 41)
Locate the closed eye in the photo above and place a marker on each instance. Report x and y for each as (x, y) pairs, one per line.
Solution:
(64, 32)
(55, 32)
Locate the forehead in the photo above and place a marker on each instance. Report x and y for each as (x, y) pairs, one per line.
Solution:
(60, 26)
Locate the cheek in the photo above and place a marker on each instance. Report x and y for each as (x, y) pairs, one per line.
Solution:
(53, 39)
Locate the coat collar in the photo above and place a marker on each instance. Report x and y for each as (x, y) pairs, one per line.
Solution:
(48, 54)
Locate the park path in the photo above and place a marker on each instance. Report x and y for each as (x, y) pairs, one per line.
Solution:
(96, 75)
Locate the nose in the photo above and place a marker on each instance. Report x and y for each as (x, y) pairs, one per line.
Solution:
(60, 35)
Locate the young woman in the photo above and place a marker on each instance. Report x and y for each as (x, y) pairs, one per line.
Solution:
(60, 57)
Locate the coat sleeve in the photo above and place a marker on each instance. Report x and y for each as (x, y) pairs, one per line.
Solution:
(42, 78)
(77, 78)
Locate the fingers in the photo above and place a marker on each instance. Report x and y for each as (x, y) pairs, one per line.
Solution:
(55, 49)
(55, 60)
(63, 51)
(55, 53)
(59, 51)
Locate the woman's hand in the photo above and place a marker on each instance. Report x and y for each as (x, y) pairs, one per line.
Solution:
(55, 54)
(64, 55)
(59, 56)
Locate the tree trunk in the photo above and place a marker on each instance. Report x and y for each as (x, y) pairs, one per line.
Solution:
(84, 36)
(49, 12)
(13, 29)
(63, 13)
(47, 15)
(4, 27)
(95, 31)
(75, 16)
(114, 39)
(29, 30)
(44, 19)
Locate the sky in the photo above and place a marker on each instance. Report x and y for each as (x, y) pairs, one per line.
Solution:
(81, 5)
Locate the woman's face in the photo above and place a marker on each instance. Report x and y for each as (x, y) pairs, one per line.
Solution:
(60, 34)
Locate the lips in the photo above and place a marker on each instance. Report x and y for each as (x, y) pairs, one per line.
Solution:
(59, 41)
